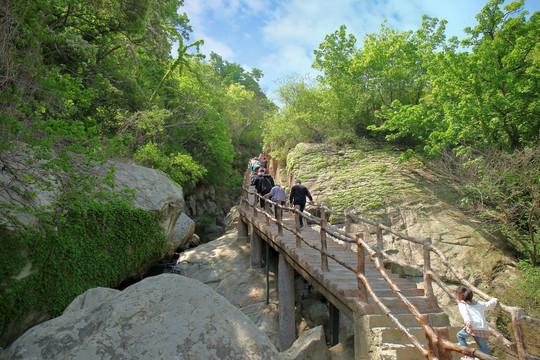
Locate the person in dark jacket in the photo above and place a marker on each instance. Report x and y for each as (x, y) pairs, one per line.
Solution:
(298, 196)
(264, 184)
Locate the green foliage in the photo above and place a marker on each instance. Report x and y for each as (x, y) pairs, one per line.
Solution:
(235, 183)
(422, 92)
(527, 285)
(231, 73)
(303, 118)
(82, 81)
(180, 167)
(207, 220)
(503, 189)
(479, 99)
(82, 245)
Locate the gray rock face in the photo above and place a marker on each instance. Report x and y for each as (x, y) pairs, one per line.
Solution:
(154, 192)
(224, 264)
(21, 194)
(91, 298)
(183, 230)
(311, 345)
(163, 317)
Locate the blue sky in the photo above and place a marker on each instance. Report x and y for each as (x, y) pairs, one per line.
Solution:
(279, 37)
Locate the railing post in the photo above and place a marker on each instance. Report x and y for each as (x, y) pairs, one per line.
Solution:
(444, 353)
(297, 221)
(380, 243)
(286, 304)
(255, 199)
(324, 258)
(266, 212)
(279, 216)
(428, 287)
(430, 342)
(360, 268)
(518, 333)
(347, 222)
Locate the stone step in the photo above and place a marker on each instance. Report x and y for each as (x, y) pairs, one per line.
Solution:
(394, 336)
(374, 279)
(437, 319)
(376, 285)
(423, 304)
(407, 351)
(385, 292)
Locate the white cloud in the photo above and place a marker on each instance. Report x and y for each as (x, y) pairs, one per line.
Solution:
(288, 59)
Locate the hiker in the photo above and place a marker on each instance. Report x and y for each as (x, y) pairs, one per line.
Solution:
(260, 170)
(261, 158)
(277, 193)
(254, 179)
(264, 185)
(255, 167)
(251, 165)
(476, 325)
(298, 197)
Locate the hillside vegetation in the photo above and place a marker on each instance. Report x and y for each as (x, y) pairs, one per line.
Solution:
(453, 120)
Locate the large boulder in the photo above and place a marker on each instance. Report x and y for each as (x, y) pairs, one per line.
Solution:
(311, 345)
(224, 264)
(154, 192)
(163, 317)
(16, 192)
(183, 230)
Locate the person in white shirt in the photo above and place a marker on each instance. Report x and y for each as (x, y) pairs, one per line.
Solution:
(472, 312)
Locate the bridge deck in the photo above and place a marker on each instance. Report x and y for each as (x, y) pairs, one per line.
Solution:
(339, 285)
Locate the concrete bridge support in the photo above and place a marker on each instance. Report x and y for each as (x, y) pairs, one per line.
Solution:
(256, 243)
(287, 327)
(242, 228)
(362, 335)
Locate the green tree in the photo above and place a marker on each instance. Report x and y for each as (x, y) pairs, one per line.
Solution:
(485, 97)
(304, 117)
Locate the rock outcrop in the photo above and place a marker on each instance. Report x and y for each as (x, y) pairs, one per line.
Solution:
(154, 192)
(183, 230)
(311, 345)
(163, 317)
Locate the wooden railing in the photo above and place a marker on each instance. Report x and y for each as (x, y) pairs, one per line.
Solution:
(438, 344)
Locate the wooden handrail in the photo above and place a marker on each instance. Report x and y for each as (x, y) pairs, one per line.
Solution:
(379, 257)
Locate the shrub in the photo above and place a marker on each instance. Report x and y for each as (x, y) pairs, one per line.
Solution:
(81, 245)
(181, 168)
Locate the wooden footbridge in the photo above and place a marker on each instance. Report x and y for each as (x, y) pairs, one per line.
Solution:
(393, 318)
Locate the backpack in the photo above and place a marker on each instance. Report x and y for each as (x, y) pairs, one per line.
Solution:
(266, 184)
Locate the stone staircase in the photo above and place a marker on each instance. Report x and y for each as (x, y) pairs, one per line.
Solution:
(381, 338)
